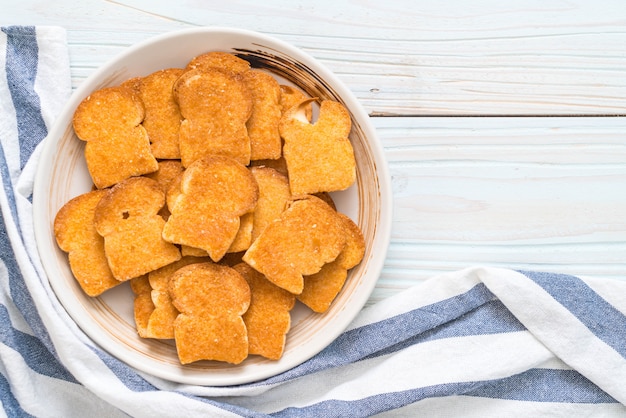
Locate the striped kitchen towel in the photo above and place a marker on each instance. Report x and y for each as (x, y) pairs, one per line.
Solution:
(476, 342)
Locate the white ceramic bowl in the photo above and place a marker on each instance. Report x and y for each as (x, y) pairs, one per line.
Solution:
(108, 319)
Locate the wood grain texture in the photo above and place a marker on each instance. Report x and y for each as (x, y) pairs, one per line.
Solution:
(544, 194)
(400, 57)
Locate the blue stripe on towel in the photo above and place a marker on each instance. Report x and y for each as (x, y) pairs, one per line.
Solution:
(544, 385)
(420, 325)
(599, 316)
(490, 318)
(21, 71)
(126, 375)
(19, 292)
(535, 385)
(22, 91)
(34, 353)
(133, 381)
(8, 191)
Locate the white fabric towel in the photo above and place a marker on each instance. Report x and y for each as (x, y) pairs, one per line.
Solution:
(474, 343)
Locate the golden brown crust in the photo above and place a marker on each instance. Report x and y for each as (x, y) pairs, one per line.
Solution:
(219, 59)
(265, 141)
(353, 252)
(243, 239)
(132, 83)
(307, 235)
(167, 173)
(109, 120)
(215, 105)
(326, 197)
(127, 217)
(214, 193)
(160, 323)
(162, 120)
(76, 234)
(322, 288)
(273, 197)
(290, 97)
(211, 299)
(173, 191)
(279, 165)
(319, 156)
(267, 319)
(186, 250)
(142, 304)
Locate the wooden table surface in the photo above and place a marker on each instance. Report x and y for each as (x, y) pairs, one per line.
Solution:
(503, 122)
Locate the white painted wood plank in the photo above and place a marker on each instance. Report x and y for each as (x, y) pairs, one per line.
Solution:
(544, 194)
(405, 57)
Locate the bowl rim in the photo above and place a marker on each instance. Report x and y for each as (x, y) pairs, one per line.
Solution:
(42, 182)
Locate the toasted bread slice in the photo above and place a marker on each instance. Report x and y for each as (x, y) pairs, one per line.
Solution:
(117, 145)
(273, 197)
(322, 288)
(142, 303)
(308, 234)
(219, 59)
(211, 299)
(267, 319)
(215, 105)
(319, 156)
(165, 176)
(162, 120)
(265, 141)
(167, 173)
(290, 97)
(160, 324)
(215, 192)
(127, 217)
(242, 240)
(76, 234)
